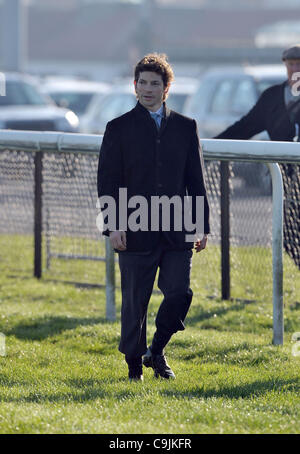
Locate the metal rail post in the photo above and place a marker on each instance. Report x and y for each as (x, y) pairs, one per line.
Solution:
(225, 231)
(277, 235)
(38, 179)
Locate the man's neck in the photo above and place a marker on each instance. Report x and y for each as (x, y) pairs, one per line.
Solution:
(155, 108)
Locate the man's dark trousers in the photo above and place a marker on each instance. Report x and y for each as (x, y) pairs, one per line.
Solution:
(138, 272)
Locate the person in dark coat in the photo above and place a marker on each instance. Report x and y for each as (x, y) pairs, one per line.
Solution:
(150, 152)
(277, 111)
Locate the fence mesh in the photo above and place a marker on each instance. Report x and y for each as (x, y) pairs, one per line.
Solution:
(16, 192)
(69, 217)
(291, 182)
(73, 248)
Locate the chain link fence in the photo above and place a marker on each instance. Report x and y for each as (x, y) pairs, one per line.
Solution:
(291, 226)
(72, 246)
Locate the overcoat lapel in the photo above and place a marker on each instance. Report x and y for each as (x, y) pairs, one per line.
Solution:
(143, 114)
(165, 121)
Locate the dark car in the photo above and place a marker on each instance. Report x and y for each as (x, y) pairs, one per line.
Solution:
(24, 107)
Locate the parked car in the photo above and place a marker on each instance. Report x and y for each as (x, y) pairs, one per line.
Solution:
(24, 107)
(224, 95)
(122, 98)
(73, 94)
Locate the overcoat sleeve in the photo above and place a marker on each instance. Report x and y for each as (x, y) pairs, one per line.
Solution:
(250, 124)
(109, 177)
(195, 181)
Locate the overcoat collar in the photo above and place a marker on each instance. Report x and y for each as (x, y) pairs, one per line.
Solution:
(141, 111)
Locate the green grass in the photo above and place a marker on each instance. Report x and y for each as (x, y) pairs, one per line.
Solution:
(62, 372)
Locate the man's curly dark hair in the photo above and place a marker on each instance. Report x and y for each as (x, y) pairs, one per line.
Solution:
(157, 63)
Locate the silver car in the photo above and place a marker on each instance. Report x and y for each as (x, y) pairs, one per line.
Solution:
(74, 94)
(122, 98)
(24, 107)
(224, 95)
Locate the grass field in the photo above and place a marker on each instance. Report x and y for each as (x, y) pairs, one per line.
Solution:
(62, 372)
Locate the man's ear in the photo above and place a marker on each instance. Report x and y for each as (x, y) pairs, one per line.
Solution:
(166, 89)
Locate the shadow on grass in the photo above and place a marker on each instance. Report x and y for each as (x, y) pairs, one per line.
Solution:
(86, 395)
(43, 327)
(49, 280)
(89, 390)
(244, 354)
(218, 353)
(74, 283)
(198, 314)
(82, 390)
(243, 391)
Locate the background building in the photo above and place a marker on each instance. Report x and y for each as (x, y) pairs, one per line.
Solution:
(102, 39)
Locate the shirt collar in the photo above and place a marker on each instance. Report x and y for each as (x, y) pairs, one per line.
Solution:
(160, 111)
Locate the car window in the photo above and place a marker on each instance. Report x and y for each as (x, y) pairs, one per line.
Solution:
(114, 105)
(20, 93)
(93, 107)
(222, 98)
(197, 102)
(176, 101)
(263, 84)
(244, 97)
(75, 101)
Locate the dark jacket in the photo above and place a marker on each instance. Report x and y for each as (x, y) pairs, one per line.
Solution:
(148, 162)
(271, 114)
(268, 114)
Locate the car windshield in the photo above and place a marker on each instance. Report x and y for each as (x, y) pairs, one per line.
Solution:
(114, 104)
(75, 101)
(176, 101)
(19, 93)
(263, 84)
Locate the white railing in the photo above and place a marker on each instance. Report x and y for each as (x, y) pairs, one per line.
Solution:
(217, 150)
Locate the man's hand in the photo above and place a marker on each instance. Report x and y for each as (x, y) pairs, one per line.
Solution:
(201, 244)
(118, 240)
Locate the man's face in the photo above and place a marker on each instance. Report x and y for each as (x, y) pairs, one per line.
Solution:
(150, 90)
(292, 66)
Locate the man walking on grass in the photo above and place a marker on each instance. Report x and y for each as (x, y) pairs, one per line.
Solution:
(152, 152)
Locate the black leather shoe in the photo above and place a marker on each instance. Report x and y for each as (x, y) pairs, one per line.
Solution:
(159, 365)
(135, 376)
(135, 370)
